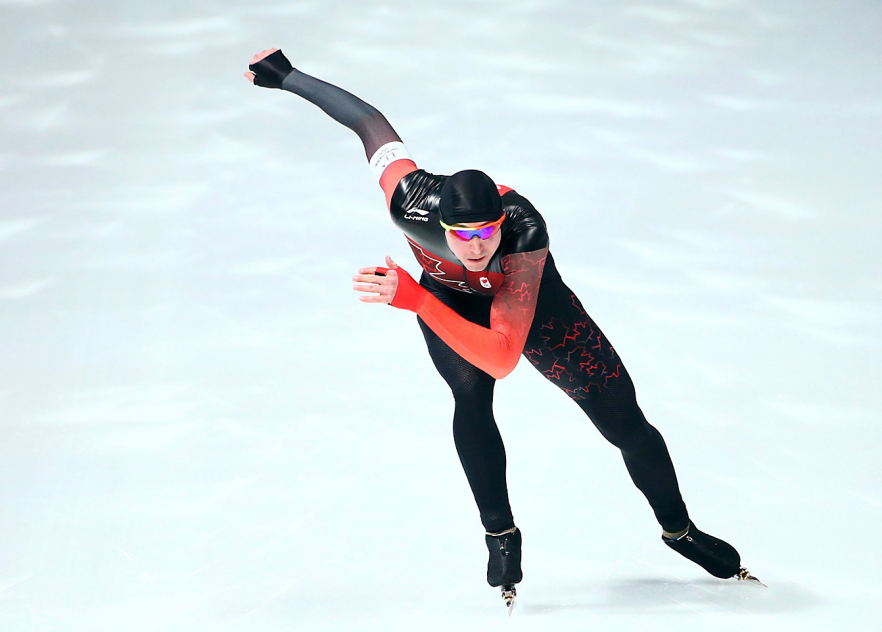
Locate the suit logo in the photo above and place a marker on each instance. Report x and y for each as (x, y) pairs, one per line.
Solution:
(416, 215)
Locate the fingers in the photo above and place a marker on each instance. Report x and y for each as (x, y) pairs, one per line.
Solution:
(391, 263)
(262, 54)
(375, 293)
(382, 299)
(378, 289)
(370, 277)
(375, 270)
(249, 76)
(375, 282)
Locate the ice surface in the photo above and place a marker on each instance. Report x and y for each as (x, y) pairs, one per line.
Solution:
(202, 429)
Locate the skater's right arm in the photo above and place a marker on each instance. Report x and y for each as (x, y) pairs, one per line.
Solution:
(383, 147)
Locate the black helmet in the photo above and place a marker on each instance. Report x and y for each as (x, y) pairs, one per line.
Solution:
(469, 196)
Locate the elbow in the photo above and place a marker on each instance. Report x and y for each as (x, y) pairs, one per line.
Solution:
(499, 372)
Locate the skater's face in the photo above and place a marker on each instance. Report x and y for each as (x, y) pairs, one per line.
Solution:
(475, 253)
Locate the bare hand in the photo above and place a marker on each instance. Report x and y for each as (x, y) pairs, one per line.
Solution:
(379, 288)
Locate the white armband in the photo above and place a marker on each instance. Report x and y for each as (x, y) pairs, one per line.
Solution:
(386, 155)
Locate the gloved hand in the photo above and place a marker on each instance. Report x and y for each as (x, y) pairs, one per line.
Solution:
(269, 68)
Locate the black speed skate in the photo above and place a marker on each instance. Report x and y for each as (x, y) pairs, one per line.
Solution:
(504, 564)
(717, 557)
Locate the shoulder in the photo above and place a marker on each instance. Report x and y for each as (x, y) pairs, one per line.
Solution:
(390, 163)
(417, 188)
(524, 229)
(413, 208)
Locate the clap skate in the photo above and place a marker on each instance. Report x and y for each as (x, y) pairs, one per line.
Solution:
(504, 563)
(717, 557)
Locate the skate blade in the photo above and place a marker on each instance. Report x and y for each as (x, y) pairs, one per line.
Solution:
(509, 592)
(745, 576)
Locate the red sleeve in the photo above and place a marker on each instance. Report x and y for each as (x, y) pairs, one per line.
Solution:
(495, 350)
(392, 176)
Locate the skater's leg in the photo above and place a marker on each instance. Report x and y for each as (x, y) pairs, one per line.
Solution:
(615, 413)
(618, 417)
(571, 351)
(568, 348)
(476, 436)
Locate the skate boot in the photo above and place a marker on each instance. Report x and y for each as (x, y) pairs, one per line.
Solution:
(504, 564)
(718, 558)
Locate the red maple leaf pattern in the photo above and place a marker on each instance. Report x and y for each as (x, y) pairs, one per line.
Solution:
(573, 353)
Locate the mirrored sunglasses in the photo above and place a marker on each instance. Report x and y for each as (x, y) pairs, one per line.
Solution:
(482, 232)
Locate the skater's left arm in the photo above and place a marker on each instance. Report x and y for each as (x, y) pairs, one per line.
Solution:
(495, 350)
(383, 148)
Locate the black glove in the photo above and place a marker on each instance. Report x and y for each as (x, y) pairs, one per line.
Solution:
(270, 71)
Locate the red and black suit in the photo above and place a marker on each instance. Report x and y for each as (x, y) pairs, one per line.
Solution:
(563, 343)
(477, 324)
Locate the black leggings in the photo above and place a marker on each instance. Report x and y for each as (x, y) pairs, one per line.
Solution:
(568, 348)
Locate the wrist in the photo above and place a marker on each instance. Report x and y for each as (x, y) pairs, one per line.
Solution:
(409, 294)
(290, 81)
(409, 298)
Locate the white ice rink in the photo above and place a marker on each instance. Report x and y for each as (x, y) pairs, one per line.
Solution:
(201, 428)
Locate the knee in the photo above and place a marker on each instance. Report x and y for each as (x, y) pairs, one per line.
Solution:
(472, 388)
(630, 435)
(623, 426)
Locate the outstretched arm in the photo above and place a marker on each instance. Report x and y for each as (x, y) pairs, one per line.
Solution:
(382, 145)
